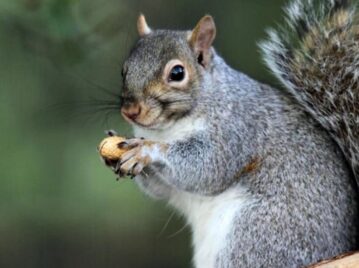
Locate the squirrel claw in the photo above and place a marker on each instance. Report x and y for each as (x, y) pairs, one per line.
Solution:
(111, 133)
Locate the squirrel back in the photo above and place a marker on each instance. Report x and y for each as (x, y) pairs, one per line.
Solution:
(316, 58)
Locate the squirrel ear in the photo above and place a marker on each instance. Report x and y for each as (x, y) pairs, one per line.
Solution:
(142, 26)
(202, 37)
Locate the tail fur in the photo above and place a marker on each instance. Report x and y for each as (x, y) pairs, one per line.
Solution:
(316, 57)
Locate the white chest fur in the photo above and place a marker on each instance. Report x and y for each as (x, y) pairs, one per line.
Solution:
(211, 219)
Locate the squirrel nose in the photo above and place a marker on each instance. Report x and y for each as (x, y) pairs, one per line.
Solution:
(132, 111)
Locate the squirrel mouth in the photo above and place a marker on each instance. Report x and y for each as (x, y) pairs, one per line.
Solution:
(134, 121)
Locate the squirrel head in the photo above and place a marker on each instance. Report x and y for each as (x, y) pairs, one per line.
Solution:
(164, 72)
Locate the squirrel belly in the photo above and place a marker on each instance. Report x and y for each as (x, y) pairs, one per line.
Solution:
(211, 219)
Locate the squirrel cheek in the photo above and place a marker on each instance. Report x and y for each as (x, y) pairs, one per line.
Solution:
(149, 114)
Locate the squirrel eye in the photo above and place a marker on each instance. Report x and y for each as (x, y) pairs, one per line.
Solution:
(177, 73)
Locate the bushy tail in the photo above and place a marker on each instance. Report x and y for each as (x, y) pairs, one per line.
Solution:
(316, 56)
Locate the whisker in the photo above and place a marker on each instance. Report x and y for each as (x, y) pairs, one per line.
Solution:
(178, 232)
(88, 110)
(166, 223)
(102, 88)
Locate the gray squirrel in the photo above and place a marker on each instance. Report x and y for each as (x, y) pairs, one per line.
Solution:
(264, 177)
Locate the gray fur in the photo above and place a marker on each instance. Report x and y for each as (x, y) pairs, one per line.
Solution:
(304, 202)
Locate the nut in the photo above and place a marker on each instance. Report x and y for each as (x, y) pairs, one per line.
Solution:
(110, 148)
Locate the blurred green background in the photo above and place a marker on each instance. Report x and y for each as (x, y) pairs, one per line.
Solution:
(59, 205)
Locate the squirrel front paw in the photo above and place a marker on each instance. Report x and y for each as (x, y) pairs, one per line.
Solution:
(141, 154)
(128, 157)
